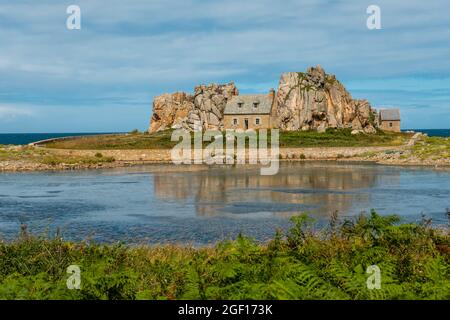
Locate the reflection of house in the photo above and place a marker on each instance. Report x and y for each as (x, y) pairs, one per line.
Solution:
(216, 191)
(249, 111)
(390, 120)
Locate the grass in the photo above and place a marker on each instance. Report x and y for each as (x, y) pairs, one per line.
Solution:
(432, 148)
(340, 138)
(300, 264)
(288, 139)
(37, 155)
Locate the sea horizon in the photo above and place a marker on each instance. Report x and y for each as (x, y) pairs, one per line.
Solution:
(26, 138)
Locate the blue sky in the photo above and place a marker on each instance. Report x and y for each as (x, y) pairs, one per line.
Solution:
(104, 76)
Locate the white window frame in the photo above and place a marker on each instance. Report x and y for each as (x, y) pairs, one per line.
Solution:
(257, 121)
(235, 121)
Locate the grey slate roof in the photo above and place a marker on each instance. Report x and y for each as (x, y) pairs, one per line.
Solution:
(390, 115)
(264, 104)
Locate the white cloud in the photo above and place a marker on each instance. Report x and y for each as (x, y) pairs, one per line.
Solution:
(12, 111)
(141, 48)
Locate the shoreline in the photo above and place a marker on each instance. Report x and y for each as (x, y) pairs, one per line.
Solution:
(130, 158)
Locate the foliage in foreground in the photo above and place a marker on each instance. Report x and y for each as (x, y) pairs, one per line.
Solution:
(330, 264)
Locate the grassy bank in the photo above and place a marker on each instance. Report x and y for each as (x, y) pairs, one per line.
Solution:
(301, 264)
(292, 139)
(432, 148)
(40, 156)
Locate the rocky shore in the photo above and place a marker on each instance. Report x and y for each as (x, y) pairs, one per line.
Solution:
(126, 158)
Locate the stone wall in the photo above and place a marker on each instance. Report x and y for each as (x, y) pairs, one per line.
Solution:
(384, 125)
(264, 121)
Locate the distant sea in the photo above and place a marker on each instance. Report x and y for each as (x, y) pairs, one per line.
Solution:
(434, 132)
(26, 138)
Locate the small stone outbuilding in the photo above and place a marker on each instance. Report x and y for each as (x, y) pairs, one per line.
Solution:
(390, 120)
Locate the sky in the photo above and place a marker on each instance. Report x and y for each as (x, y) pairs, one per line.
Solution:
(103, 77)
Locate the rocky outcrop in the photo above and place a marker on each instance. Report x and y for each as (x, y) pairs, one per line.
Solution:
(316, 100)
(312, 100)
(169, 110)
(209, 105)
(203, 110)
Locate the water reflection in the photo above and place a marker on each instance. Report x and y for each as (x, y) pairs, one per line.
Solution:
(311, 187)
(200, 204)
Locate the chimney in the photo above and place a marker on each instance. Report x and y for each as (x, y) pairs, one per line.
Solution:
(272, 94)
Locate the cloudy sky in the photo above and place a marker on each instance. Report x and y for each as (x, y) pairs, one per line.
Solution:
(103, 77)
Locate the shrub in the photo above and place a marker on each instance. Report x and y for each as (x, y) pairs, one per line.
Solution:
(298, 264)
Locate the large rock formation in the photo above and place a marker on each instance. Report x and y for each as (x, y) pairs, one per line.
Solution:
(312, 100)
(209, 105)
(169, 110)
(315, 100)
(203, 110)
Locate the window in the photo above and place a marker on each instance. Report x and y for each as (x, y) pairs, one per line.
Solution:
(390, 124)
(240, 104)
(255, 104)
(257, 121)
(235, 121)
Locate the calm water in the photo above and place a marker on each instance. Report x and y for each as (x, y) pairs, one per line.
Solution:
(435, 132)
(202, 205)
(25, 138)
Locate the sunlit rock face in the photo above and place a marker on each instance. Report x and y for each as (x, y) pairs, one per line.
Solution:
(201, 111)
(315, 100)
(169, 110)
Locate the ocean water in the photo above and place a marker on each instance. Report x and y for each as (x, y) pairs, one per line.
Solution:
(26, 138)
(201, 204)
(435, 132)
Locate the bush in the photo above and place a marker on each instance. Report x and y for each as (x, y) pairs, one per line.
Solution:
(299, 264)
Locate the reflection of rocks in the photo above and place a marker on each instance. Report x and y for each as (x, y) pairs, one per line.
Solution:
(327, 187)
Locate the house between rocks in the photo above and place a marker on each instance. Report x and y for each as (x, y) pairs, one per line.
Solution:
(249, 111)
(311, 100)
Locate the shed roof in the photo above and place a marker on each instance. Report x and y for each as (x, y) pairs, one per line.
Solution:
(390, 115)
(244, 104)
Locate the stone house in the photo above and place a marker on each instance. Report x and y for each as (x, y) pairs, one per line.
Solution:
(250, 111)
(389, 120)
